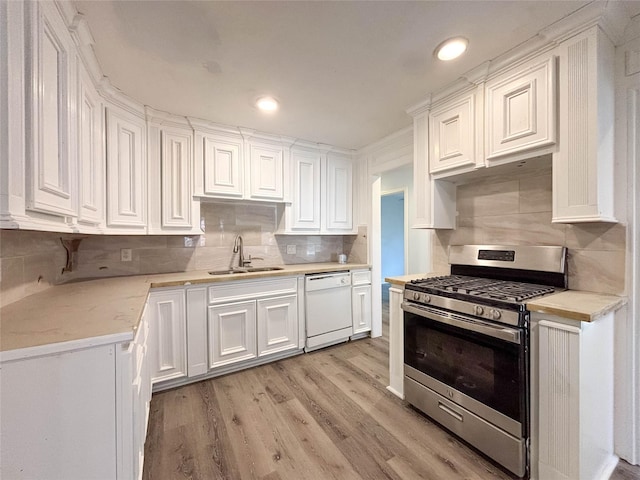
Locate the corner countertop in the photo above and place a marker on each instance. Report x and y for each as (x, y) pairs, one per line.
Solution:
(577, 305)
(572, 304)
(103, 311)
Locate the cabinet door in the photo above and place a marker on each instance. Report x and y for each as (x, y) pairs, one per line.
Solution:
(232, 333)
(521, 110)
(126, 170)
(90, 152)
(339, 194)
(452, 140)
(277, 324)
(361, 308)
(175, 153)
(51, 166)
(583, 168)
(169, 335)
(223, 167)
(267, 172)
(306, 191)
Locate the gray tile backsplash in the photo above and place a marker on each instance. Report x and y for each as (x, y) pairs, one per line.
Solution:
(33, 261)
(518, 212)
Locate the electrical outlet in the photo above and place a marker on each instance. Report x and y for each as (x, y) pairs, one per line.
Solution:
(291, 249)
(125, 255)
(311, 249)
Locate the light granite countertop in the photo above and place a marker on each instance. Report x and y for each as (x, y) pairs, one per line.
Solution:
(577, 305)
(98, 312)
(571, 304)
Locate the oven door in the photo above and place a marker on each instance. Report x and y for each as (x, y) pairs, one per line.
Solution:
(479, 365)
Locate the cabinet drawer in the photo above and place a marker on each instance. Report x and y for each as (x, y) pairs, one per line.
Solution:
(240, 290)
(360, 277)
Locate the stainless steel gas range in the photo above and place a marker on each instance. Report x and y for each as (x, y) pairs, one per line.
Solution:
(466, 344)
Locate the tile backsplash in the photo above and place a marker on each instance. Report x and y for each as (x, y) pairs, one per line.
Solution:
(517, 211)
(33, 261)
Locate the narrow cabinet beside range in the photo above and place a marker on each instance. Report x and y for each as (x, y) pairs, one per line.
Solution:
(361, 302)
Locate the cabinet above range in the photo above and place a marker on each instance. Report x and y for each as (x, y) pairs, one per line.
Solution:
(552, 97)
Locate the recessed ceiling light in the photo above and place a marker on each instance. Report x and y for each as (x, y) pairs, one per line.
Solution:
(451, 48)
(267, 104)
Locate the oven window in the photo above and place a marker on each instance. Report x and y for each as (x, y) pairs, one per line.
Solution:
(489, 370)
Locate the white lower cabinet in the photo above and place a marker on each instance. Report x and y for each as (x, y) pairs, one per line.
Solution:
(76, 414)
(249, 320)
(168, 320)
(361, 301)
(277, 324)
(572, 381)
(232, 333)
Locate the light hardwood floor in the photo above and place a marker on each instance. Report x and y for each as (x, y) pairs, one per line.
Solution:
(322, 415)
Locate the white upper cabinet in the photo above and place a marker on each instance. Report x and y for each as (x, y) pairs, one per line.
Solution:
(452, 134)
(435, 200)
(51, 165)
(223, 165)
(583, 180)
(172, 209)
(521, 110)
(91, 165)
(266, 172)
(339, 193)
(126, 171)
(322, 193)
(305, 206)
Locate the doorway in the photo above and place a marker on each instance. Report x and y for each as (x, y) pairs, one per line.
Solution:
(393, 236)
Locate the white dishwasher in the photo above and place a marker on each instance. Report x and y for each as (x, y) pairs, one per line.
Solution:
(327, 309)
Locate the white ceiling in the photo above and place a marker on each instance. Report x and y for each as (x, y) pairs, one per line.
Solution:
(344, 72)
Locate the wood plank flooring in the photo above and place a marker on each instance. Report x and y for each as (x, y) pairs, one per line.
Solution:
(322, 415)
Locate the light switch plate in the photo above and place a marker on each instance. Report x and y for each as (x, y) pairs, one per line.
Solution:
(291, 249)
(311, 249)
(125, 255)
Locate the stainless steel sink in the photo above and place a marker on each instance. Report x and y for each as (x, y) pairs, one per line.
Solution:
(244, 270)
(263, 269)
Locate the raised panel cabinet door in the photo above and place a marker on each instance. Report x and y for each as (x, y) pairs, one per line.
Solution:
(169, 334)
(277, 324)
(361, 308)
(339, 194)
(267, 172)
(51, 165)
(126, 170)
(232, 333)
(175, 194)
(452, 135)
(90, 151)
(521, 110)
(223, 167)
(306, 190)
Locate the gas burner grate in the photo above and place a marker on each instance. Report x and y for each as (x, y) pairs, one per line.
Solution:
(503, 290)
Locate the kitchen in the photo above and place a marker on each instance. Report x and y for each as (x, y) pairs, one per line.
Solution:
(37, 258)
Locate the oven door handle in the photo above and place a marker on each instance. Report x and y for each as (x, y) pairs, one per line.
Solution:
(510, 335)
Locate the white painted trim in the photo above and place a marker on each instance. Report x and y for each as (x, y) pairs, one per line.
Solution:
(405, 206)
(375, 257)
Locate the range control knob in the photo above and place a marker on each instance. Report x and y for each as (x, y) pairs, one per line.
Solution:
(416, 296)
(427, 299)
(495, 314)
(479, 310)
